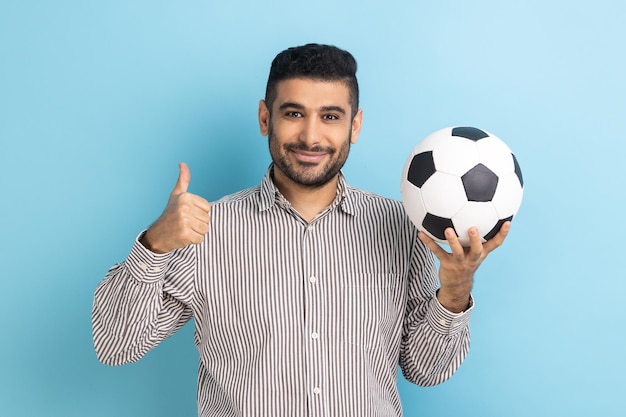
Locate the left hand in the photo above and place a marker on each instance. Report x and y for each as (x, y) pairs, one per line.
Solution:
(456, 269)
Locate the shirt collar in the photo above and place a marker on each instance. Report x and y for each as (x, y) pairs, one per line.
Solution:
(270, 195)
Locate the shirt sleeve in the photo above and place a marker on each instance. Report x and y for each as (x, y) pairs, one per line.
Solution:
(141, 302)
(435, 341)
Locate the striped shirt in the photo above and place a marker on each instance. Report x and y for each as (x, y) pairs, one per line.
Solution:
(291, 318)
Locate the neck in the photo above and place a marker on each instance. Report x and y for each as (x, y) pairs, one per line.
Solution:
(307, 201)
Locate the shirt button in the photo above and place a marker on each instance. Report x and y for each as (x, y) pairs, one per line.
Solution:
(317, 390)
(443, 322)
(314, 335)
(313, 279)
(309, 228)
(143, 266)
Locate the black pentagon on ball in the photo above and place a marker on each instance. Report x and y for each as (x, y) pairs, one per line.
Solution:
(470, 133)
(436, 225)
(493, 232)
(421, 169)
(518, 171)
(480, 183)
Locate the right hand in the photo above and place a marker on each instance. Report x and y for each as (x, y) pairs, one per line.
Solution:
(184, 221)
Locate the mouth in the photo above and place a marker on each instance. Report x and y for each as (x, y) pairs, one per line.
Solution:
(308, 157)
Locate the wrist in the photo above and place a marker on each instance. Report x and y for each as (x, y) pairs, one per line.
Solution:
(148, 243)
(454, 302)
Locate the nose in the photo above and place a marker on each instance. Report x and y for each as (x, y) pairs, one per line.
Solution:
(312, 131)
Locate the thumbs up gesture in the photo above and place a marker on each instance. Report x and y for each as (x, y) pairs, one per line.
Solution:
(184, 221)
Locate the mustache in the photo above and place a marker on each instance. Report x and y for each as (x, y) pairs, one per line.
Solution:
(303, 147)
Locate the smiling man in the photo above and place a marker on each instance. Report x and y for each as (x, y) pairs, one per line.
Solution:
(310, 130)
(306, 293)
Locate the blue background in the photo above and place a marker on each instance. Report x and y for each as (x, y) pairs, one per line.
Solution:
(99, 101)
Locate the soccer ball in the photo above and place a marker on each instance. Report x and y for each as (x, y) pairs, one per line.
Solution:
(461, 177)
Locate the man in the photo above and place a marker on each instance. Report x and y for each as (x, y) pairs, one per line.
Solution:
(306, 293)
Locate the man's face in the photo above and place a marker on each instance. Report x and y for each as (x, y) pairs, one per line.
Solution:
(310, 129)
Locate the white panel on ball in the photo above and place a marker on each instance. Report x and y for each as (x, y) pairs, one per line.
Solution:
(482, 215)
(492, 153)
(508, 196)
(416, 211)
(455, 155)
(448, 202)
(433, 140)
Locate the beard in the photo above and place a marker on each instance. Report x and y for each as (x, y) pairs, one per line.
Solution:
(309, 175)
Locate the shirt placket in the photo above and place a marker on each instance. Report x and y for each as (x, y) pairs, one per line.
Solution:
(316, 362)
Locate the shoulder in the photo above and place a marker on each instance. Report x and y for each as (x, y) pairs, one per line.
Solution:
(374, 205)
(367, 199)
(248, 197)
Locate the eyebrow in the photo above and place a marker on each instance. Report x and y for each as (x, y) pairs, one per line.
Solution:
(298, 106)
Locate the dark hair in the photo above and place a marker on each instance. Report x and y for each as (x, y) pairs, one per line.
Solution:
(319, 62)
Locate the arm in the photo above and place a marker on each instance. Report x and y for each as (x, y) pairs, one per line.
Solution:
(141, 302)
(146, 299)
(435, 341)
(436, 329)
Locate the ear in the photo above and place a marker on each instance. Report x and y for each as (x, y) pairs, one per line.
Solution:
(356, 126)
(264, 118)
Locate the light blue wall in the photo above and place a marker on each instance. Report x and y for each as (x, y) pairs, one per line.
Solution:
(99, 101)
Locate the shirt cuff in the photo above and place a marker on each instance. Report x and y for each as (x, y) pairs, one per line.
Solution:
(145, 265)
(446, 322)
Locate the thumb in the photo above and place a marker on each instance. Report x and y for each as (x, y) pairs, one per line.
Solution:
(183, 179)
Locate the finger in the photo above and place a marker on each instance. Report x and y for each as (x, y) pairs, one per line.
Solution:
(201, 216)
(184, 176)
(432, 245)
(453, 241)
(192, 237)
(498, 239)
(202, 204)
(200, 228)
(193, 201)
(476, 246)
(192, 230)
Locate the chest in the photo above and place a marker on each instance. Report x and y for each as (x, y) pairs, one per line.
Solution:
(339, 281)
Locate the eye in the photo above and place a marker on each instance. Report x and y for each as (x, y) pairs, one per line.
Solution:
(294, 114)
(330, 117)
